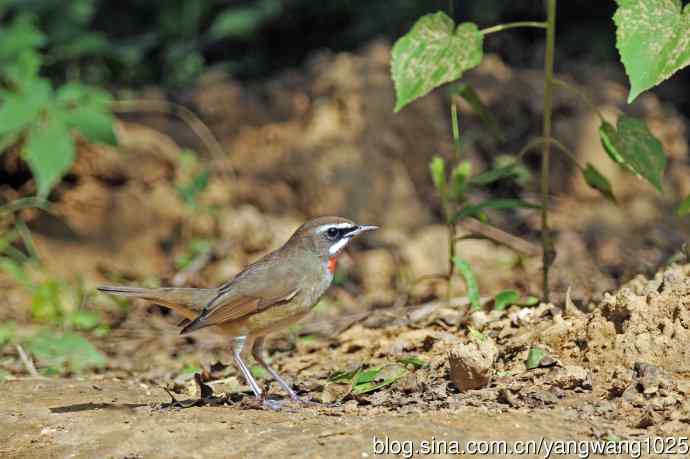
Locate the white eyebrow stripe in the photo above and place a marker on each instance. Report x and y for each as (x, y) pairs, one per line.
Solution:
(326, 227)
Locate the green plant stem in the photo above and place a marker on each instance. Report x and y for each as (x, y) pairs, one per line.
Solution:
(547, 243)
(581, 94)
(455, 126)
(537, 141)
(513, 25)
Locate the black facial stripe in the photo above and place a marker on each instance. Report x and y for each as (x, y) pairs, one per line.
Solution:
(345, 231)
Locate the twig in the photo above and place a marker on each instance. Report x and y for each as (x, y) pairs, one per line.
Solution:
(28, 363)
(513, 25)
(498, 235)
(201, 130)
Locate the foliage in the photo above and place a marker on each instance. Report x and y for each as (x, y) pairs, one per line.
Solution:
(61, 352)
(39, 118)
(505, 299)
(534, 357)
(465, 270)
(362, 381)
(432, 53)
(653, 38)
(631, 145)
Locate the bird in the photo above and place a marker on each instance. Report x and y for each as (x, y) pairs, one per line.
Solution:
(268, 295)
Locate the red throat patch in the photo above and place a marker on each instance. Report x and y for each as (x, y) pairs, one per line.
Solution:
(332, 262)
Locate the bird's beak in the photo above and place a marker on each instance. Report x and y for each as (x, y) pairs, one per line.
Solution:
(363, 229)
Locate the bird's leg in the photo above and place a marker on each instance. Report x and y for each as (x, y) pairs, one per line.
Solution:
(257, 352)
(237, 345)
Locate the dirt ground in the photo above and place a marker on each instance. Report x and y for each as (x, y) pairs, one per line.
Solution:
(106, 418)
(607, 359)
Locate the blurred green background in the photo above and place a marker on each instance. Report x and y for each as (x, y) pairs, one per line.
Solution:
(136, 42)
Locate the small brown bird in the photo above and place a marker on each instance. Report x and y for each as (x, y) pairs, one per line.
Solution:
(270, 294)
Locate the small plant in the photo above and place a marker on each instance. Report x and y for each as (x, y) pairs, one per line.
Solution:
(39, 119)
(437, 51)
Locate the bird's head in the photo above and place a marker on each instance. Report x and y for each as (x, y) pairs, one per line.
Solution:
(328, 236)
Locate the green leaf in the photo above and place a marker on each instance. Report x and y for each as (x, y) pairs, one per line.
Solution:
(437, 167)
(653, 38)
(378, 378)
(65, 351)
(83, 319)
(632, 146)
(470, 281)
(45, 302)
(20, 109)
(493, 175)
(505, 299)
(684, 208)
(474, 210)
(534, 357)
(471, 96)
(432, 53)
(367, 376)
(87, 110)
(49, 151)
(259, 372)
(459, 179)
(243, 22)
(530, 301)
(19, 57)
(599, 182)
(413, 361)
(190, 191)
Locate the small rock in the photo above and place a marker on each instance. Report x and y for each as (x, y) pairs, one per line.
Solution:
(571, 377)
(471, 365)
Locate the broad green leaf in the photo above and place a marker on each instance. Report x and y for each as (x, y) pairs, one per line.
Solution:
(19, 57)
(474, 210)
(493, 175)
(471, 96)
(684, 208)
(49, 150)
(20, 109)
(505, 299)
(21, 34)
(437, 167)
(459, 178)
(599, 182)
(367, 376)
(378, 378)
(632, 146)
(470, 281)
(64, 351)
(432, 53)
(87, 110)
(534, 357)
(653, 38)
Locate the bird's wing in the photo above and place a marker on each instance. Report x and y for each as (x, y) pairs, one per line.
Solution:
(251, 291)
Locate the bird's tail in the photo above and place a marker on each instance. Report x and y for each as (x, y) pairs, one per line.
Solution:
(187, 302)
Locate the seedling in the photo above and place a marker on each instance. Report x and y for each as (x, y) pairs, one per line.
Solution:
(437, 51)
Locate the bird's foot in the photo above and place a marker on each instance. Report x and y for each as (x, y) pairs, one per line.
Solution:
(272, 405)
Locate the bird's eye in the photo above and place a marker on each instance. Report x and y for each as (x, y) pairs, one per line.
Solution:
(332, 233)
